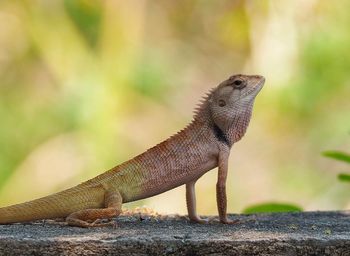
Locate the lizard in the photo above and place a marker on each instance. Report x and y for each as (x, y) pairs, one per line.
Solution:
(220, 120)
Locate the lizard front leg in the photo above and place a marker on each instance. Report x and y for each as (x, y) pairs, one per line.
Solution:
(113, 204)
(221, 198)
(191, 203)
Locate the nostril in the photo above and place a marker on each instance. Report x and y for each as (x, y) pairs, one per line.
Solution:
(259, 77)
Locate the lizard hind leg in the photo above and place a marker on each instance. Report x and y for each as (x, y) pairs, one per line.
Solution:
(191, 204)
(92, 217)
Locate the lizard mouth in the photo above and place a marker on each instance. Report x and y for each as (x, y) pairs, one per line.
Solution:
(256, 88)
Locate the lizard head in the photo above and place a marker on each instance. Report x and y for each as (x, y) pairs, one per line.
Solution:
(231, 103)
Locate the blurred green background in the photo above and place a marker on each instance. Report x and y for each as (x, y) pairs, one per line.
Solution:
(85, 85)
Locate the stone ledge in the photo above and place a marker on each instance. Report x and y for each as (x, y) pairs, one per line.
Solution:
(307, 233)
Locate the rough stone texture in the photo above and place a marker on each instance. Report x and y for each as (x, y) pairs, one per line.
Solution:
(308, 233)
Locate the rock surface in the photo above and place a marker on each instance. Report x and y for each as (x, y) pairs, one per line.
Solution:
(307, 233)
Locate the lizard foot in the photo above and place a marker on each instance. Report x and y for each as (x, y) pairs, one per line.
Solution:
(228, 221)
(199, 220)
(102, 223)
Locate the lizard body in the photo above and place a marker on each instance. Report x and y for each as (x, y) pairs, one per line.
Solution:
(220, 120)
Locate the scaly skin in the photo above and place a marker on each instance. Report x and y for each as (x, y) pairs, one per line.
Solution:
(220, 120)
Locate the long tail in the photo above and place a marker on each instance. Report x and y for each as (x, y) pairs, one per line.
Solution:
(57, 205)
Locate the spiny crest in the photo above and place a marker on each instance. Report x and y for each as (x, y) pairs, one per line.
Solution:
(202, 103)
(200, 107)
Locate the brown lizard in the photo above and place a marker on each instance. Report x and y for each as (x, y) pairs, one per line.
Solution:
(220, 120)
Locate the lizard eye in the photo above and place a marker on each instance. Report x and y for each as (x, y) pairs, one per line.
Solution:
(238, 84)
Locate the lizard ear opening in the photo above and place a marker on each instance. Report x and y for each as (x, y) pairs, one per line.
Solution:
(222, 103)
